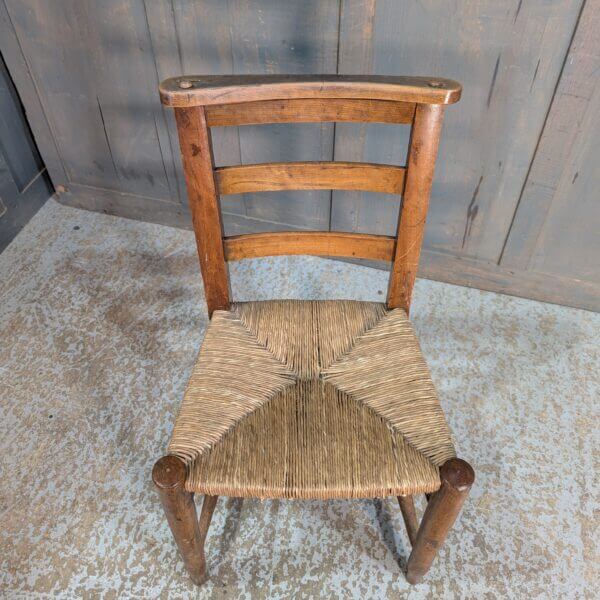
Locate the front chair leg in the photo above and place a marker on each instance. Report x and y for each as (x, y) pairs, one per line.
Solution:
(169, 475)
(443, 507)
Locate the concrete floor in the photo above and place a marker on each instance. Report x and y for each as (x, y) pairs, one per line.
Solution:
(100, 321)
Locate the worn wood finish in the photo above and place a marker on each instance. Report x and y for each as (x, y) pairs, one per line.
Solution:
(202, 90)
(107, 131)
(205, 182)
(309, 110)
(196, 152)
(421, 162)
(318, 243)
(443, 507)
(409, 514)
(310, 176)
(169, 475)
(17, 60)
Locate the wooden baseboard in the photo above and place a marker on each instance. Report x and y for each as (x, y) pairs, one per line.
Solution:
(490, 277)
(525, 284)
(130, 206)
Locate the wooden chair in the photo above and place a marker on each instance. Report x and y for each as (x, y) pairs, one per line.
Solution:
(310, 399)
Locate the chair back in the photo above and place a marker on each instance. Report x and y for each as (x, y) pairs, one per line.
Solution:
(202, 102)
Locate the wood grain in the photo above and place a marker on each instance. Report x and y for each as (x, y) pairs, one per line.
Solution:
(310, 176)
(196, 90)
(309, 110)
(169, 475)
(443, 507)
(196, 152)
(409, 515)
(356, 210)
(317, 243)
(422, 153)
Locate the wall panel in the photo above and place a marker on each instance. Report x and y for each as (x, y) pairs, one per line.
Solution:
(502, 212)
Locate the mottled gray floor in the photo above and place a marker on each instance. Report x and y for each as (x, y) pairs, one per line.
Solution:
(100, 321)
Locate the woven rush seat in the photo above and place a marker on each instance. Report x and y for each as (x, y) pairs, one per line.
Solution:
(311, 399)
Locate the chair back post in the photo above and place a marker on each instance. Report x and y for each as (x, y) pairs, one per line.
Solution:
(208, 101)
(423, 147)
(198, 165)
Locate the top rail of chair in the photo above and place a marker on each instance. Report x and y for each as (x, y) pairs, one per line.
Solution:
(202, 90)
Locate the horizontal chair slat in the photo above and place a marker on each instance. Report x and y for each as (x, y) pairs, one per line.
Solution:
(317, 243)
(310, 176)
(309, 110)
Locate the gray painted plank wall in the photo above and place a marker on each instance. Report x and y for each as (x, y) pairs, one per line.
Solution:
(556, 230)
(488, 140)
(89, 71)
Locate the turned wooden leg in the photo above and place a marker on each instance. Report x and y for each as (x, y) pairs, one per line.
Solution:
(169, 478)
(443, 507)
(409, 514)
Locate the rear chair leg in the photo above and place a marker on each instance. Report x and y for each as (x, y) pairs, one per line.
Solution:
(443, 507)
(409, 514)
(208, 508)
(169, 475)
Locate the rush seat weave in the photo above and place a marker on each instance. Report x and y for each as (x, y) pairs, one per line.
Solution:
(311, 399)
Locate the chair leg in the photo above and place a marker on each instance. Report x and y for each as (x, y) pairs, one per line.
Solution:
(409, 514)
(208, 508)
(443, 507)
(169, 475)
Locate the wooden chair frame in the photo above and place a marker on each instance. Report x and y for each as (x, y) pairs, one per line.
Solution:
(208, 101)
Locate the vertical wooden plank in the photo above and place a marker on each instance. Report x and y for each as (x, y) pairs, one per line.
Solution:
(198, 163)
(569, 242)
(558, 218)
(164, 43)
(298, 36)
(8, 190)
(117, 43)
(52, 43)
(422, 153)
